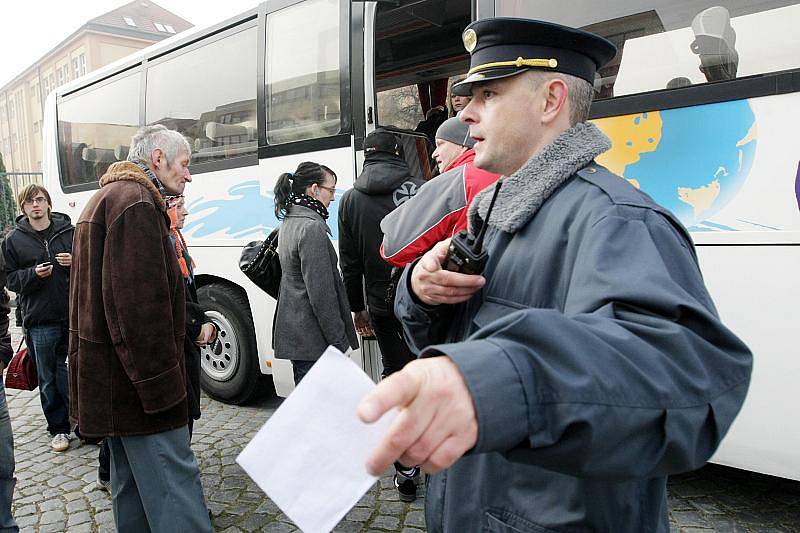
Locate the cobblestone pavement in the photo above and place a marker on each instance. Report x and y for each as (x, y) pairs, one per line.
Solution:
(56, 491)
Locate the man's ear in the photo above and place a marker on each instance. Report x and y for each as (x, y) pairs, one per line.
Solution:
(555, 93)
(156, 158)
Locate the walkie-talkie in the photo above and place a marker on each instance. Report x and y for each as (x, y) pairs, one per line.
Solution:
(466, 254)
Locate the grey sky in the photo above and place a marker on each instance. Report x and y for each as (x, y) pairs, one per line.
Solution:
(32, 27)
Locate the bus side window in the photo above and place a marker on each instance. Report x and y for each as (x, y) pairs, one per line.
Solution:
(91, 125)
(302, 72)
(677, 43)
(209, 95)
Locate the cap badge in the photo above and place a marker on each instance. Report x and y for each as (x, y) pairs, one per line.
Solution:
(470, 40)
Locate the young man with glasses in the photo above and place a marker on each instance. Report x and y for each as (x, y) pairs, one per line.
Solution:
(38, 257)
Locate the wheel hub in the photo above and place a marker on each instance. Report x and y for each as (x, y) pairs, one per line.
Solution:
(220, 359)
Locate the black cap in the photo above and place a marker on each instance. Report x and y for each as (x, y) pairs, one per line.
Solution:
(382, 141)
(502, 47)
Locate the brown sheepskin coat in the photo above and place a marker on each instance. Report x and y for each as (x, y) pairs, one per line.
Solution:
(126, 365)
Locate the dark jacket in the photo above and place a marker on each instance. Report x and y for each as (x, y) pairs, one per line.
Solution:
(595, 359)
(6, 350)
(41, 300)
(438, 212)
(195, 318)
(383, 185)
(312, 308)
(127, 313)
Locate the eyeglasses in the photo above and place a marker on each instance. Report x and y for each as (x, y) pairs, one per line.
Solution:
(37, 200)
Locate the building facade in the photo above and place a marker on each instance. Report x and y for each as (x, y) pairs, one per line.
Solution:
(97, 43)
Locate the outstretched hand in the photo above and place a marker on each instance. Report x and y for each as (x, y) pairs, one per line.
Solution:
(436, 424)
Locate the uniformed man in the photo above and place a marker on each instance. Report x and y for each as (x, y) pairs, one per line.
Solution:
(561, 388)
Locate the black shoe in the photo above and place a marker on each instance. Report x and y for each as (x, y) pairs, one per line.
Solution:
(406, 484)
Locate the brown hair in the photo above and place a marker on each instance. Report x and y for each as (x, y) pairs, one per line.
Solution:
(29, 192)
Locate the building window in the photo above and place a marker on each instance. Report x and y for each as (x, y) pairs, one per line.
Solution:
(60, 76)
(216, 114)
(160, 27)
(82, 64)
(76, 69)
(169, 28)
(129, 21)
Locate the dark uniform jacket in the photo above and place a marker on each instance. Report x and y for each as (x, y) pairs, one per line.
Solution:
(312, 312)
(594, 356)
(41, 300)
(383, 185)
(127, 313)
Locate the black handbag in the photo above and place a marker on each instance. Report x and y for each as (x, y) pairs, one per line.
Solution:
(260, 263)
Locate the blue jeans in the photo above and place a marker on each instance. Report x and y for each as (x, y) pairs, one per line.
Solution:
(155, 484)
(7, 479)
(50, 349)
(300, 369)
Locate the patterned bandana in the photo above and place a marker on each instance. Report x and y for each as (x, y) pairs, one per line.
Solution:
(309, 202)
(152, 177)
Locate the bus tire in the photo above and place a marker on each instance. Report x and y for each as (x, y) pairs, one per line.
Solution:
(229, 368)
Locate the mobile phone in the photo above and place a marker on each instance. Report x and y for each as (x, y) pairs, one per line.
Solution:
(45, 264)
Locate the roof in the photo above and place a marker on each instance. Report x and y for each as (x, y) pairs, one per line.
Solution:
(143, 13)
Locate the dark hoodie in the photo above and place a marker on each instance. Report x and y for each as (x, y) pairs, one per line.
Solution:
(384, 184)
(42, 300)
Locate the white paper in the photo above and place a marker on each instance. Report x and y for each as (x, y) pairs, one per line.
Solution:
(310, 456)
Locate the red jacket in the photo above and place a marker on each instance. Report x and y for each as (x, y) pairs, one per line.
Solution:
(438, 211)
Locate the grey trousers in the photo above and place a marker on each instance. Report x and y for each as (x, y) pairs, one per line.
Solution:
(155, 484)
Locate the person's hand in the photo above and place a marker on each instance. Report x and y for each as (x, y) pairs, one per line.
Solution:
(436, 424)
(64, 259)
(434, 285)
(361, 321)
(44, 270)
(2, 366)
(207, 334)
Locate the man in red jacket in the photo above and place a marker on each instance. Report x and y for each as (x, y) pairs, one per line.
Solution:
(439, 210)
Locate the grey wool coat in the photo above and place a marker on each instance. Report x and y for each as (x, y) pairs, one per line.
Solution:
(594, 356)
(313, 311)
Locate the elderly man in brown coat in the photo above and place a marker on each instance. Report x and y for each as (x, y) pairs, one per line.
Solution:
(127, 370)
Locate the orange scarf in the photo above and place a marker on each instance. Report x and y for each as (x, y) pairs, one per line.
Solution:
(181, 250)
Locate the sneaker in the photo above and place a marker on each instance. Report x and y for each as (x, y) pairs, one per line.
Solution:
(60, 442)
(406, 483)
(104, 484)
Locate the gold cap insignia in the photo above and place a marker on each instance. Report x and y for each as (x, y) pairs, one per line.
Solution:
(470, 40)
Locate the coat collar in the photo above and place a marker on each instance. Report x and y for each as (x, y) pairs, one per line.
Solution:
(128, 171)
(524, 192)
(300, 211)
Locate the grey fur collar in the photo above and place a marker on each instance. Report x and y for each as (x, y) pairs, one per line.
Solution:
(524, 192)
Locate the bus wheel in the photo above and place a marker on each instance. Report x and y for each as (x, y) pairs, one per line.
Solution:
(230, 371)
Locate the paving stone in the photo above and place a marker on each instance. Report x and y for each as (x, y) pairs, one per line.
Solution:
(78, 518)
(416, 519)
(50, 517)
(391, 523)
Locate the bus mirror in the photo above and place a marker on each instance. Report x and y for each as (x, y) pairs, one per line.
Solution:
(715, 43)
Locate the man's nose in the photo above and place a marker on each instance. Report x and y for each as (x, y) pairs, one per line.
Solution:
(467, 114)
(188, 176)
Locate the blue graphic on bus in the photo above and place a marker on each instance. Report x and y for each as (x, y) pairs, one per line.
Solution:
(246, 214)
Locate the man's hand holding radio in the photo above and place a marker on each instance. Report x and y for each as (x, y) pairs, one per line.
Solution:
(434, 285)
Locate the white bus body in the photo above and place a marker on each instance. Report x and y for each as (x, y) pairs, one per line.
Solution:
(296, 80)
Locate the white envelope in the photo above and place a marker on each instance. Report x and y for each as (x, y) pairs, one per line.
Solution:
(310, 456)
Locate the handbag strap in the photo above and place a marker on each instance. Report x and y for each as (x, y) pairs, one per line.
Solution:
(20, 344)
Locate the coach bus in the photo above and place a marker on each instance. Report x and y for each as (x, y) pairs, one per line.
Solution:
(700, 103)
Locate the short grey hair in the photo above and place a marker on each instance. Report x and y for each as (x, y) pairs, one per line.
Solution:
(158, 136)
(580, 93)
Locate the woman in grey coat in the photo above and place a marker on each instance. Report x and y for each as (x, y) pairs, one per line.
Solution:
(313, 312)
